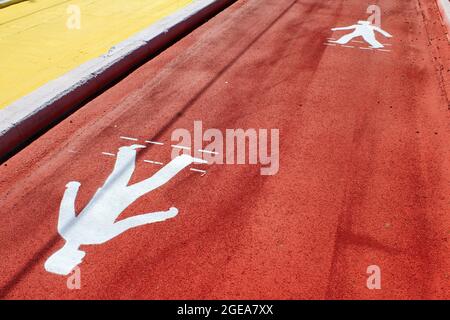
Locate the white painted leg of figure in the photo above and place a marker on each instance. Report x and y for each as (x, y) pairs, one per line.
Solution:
(370, 38)
(142, 219)
(347, 38)
(164, 174)
(65, 259)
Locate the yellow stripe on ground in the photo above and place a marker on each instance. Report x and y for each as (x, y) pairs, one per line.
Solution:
(36, 44)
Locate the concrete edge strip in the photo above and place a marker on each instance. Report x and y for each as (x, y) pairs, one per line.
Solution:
(6, 3)
(32, 113)
(444, 8)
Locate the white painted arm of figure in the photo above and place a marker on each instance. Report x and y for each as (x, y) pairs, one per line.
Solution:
(384, 33)
(67, 208)
(343, 28)
(164, 174)
(140, 220)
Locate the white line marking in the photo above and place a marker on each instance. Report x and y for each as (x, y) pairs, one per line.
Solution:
(365, 48)
(154, 142)
(108, 154)
(197, 170)
(180, 147)
(207, 151)
(330, 44)
(154, 162)
(384, 50)
(197, 160)
(348, 46)
(384, 44)
(128, 138)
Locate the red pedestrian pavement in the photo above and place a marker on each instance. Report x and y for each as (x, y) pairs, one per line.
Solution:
(364, 176)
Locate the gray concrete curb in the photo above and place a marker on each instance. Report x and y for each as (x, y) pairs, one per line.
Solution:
(31, 114)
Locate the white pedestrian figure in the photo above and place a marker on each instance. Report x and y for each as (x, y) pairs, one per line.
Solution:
(365, 30)
(97, 223)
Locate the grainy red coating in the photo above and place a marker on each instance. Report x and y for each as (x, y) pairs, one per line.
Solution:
(364, 167)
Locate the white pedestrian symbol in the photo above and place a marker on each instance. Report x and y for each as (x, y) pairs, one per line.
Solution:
(96, 223)
(365, 30)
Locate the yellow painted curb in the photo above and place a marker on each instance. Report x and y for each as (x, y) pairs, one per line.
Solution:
(40, 40)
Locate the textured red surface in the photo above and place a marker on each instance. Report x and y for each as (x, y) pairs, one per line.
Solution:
(364, 167)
